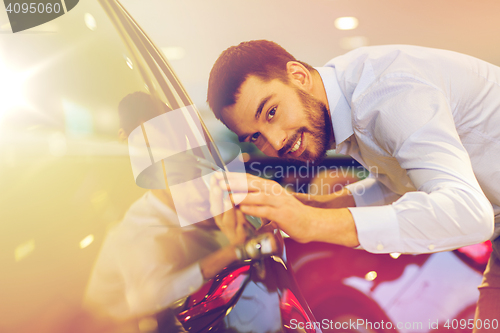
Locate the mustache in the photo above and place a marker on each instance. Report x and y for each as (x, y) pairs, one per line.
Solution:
(291, 142)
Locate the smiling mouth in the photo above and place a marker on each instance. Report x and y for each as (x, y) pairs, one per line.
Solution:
(296, 146)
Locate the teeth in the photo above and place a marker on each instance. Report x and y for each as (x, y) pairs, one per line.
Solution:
(296, 146)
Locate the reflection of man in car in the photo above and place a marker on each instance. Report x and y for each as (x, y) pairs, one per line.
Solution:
(148, 260)
(425, 122)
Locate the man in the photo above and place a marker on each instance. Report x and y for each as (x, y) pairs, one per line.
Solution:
(148, 260)
(425, 122)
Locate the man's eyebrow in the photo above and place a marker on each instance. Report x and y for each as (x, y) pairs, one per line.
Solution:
(263, 102)
(261, 106)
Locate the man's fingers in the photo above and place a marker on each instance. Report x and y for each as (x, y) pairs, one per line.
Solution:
(235, 181)
(240, 182)
(227, 223)
(241, 220)
(302, 197)
(258, 211)
(227, 203)
(240, 223)
(216, 205)
(261, 199)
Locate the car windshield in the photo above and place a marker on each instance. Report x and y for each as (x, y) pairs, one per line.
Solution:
(92, 121)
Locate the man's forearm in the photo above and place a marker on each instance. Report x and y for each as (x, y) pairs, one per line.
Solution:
(334, 223)
(334, 226)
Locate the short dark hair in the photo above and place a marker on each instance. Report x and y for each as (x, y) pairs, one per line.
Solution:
(265, 59)
(137, 108)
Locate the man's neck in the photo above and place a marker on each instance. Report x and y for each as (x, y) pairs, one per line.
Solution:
(319, 93)
(318, 90)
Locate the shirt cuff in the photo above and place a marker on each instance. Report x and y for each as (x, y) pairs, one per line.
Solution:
(377, 228)
(371, 192)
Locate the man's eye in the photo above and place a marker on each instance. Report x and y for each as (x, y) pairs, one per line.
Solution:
(254, 137)
(271, 113)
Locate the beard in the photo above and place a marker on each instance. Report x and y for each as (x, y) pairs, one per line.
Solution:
(319, 128)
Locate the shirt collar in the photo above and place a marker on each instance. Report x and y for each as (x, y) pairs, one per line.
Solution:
(340, 110)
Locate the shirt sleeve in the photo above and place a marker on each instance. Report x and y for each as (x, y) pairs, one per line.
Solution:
(411, 121)
(371, 192)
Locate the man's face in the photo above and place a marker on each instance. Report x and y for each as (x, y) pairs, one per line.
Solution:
(281, 119)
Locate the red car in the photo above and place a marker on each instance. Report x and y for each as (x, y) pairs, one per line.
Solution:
(66, 180)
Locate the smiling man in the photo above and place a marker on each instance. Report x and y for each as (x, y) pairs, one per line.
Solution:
(427, 120)
(303, 136)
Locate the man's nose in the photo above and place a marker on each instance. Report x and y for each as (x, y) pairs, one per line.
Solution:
(276, 138)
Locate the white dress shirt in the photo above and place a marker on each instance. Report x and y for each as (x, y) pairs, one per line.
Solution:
(148, 261)
(426, 124)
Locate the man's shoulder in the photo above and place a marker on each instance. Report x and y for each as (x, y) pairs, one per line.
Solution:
(377, 51)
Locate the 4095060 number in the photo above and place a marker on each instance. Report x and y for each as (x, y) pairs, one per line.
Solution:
(34, 7)
(469, 324)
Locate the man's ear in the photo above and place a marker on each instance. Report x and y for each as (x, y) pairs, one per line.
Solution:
(299, 75)
(122, 136)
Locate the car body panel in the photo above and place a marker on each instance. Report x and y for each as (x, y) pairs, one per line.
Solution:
(420, 289)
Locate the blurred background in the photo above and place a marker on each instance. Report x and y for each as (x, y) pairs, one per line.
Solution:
(65, 178)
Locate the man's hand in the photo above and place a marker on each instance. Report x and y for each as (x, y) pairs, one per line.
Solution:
(232, 222)
(338, 199)
(267, 199)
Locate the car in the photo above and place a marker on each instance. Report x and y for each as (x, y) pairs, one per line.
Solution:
(67, 181)
(387, 292)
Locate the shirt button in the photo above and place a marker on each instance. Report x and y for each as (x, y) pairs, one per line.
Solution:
(431, 247)
(380, 247)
